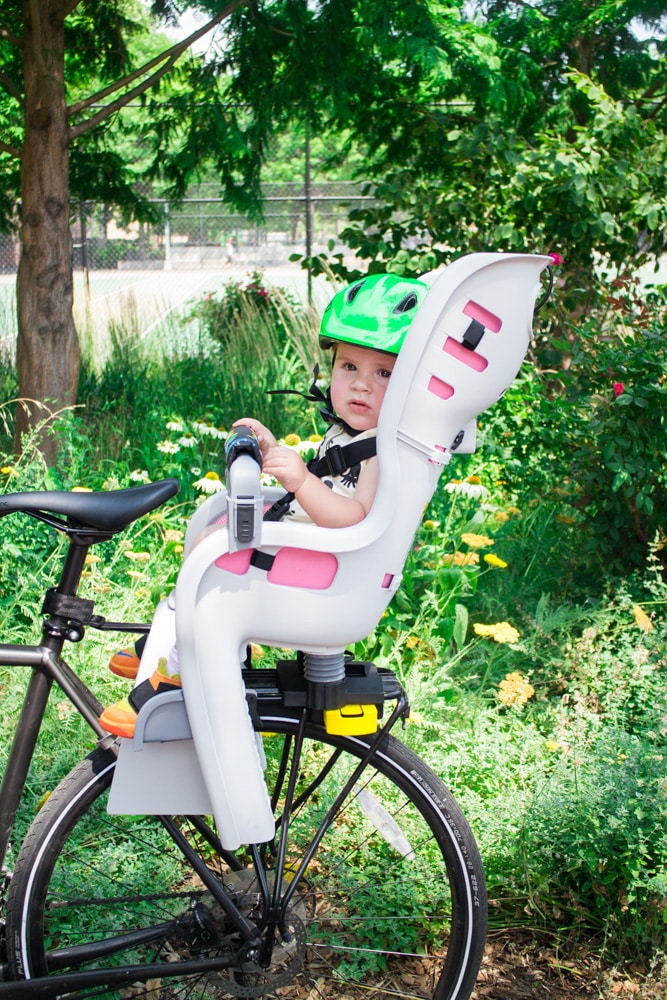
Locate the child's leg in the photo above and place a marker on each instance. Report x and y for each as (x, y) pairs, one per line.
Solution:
(125, 662)
(120, 718)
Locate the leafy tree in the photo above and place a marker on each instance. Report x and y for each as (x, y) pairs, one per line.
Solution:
(66, 70)
(566, 151)
(68, 67)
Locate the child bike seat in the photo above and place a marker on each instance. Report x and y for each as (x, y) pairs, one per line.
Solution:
(319, 590)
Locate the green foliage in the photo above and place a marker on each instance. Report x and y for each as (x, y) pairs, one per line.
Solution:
(601, 423)
(566, 153)
(240, 301)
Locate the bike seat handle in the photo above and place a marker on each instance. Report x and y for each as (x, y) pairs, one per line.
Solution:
(242, 441)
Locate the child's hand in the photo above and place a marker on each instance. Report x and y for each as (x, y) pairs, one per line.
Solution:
(264, 435)
(286, 466)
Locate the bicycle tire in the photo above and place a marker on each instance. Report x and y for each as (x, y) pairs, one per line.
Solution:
(376, 915)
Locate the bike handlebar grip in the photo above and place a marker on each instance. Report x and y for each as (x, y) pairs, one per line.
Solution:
(245, 503)
(242, 441)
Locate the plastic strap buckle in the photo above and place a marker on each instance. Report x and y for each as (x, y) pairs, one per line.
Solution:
(334, 457)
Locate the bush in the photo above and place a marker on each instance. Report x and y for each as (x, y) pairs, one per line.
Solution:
(591, 440)
(242, 302)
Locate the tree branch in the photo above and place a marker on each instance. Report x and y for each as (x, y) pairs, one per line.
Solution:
(6, 148)
(106, 112)
(165, 61)
(9, 36)
(10, 87)
(38, 55)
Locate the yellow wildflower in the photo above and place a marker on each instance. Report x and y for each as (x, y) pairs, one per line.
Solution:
(64, 709)
(292, 439)
(138, 556)
(92, 558)
(494, 560)
(642, 618)
(417, 718)
(501, 516)
(430, 524)
(8, 470)
(136, 575)
(462, 559)
(476, 541)
(501, 632)
(256, 651)
(412, 641)
(473, 479)
(173, 535)
(315, 438)
(515, 689)
(81, 489)
(553, 746)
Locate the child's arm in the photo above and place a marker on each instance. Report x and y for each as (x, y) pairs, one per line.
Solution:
(321, 504)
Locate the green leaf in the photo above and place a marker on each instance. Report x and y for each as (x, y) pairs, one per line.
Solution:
(460, 625)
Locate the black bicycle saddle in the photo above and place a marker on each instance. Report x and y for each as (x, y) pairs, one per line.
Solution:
(104, 511)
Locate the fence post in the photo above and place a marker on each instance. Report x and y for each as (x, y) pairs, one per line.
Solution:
(167, 238)
(85, 265)
(308, 190)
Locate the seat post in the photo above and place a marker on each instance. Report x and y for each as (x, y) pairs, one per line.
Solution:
(75, 562)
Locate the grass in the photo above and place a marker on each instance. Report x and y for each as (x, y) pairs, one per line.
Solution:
(551, 733)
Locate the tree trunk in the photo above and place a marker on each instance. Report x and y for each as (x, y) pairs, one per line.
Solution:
(47, 353)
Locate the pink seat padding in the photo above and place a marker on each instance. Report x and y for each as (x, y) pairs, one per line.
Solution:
(235, 562)
(303, 568)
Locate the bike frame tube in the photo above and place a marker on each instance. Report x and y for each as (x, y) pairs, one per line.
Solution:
(47, 667)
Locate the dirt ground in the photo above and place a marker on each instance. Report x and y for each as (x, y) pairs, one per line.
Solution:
(515, 967)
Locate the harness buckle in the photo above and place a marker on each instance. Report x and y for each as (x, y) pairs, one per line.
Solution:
(334, 457)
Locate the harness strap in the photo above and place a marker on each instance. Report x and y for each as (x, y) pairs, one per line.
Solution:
(335, 461)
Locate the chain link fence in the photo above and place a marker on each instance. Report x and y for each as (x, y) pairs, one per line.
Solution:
(146, 273)
(202, 231)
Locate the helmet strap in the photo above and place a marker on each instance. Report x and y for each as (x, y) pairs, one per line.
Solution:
(315, 395)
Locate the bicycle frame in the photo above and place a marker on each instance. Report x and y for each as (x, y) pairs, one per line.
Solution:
(47, 667)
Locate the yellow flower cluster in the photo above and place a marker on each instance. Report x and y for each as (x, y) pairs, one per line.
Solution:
(476, 541)
(461, 559)
(500, 632)
(515, 689)
(494, 560)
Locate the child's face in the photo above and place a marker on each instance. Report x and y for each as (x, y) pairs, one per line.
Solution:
(358, 383)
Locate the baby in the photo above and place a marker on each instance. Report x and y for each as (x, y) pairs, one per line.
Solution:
(365, 325)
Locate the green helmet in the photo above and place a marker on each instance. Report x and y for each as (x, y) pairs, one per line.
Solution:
(375, 312)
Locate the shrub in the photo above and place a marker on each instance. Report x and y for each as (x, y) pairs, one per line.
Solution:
(241, 302)
(592, 439)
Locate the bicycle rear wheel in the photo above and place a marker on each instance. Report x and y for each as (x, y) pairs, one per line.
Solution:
(393, 901)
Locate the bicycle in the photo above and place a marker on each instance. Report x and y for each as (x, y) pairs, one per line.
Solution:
(373, 885)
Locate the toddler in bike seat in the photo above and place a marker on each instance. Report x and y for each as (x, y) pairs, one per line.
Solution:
(364, 325)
